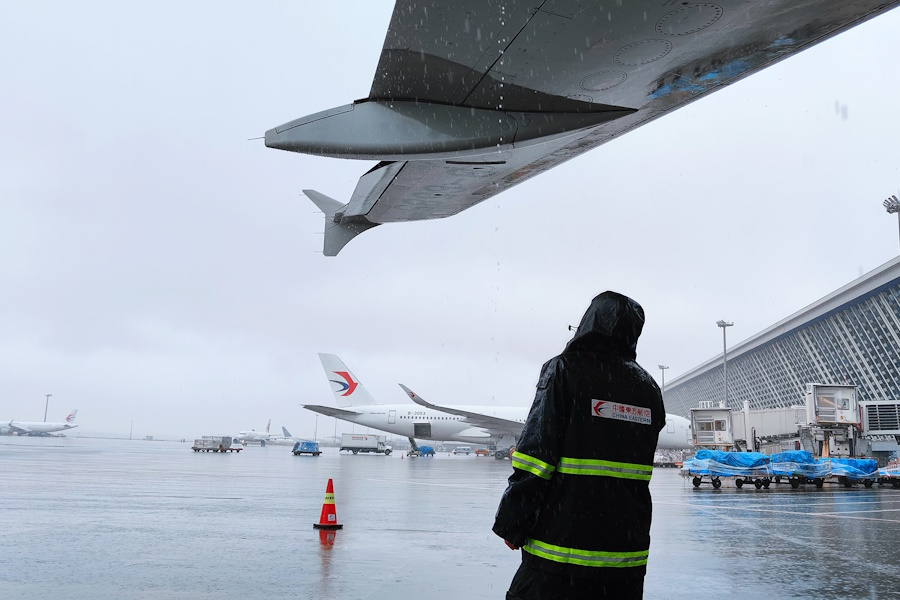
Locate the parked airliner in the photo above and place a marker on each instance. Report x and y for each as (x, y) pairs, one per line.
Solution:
(286, 440)
(500, 426)
(255, 436)
(13, 427)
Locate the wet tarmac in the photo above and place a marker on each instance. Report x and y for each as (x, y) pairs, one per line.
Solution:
(86, 518)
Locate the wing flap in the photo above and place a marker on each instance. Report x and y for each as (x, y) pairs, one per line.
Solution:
(435, 189)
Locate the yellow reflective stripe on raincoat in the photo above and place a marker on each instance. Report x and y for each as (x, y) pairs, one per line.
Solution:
(532, 465)
(604, 468)
(587, 558)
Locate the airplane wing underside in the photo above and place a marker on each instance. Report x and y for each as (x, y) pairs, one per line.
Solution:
(470, 98)
(19, 430)
(495, 425)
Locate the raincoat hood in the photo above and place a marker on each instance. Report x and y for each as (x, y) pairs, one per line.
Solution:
(612, 322)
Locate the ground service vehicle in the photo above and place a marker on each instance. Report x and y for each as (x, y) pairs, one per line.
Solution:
(463, 450)
(214, 443)
(421, 451)
(306, 448)
(357, 442)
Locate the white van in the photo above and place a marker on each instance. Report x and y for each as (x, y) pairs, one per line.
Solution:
(462, 450)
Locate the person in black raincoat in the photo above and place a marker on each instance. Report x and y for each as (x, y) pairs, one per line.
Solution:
(578, 501)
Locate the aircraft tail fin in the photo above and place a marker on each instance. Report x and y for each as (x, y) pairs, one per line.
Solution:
(70, 418)
(338, 229)
(346, 387)
(268, 425)
(286, 433)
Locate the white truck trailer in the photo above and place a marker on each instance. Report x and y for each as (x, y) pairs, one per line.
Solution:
(357, 442)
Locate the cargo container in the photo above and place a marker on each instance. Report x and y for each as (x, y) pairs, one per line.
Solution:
(306, 448)
(214, 443)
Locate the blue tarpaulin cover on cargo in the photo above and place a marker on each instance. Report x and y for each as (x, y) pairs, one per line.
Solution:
(306, 447)
(797, 463)
(797, 456)
(728, 464)
(854, 468)
(695, 467)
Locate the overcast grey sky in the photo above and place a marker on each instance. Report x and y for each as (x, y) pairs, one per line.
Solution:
(158, 267)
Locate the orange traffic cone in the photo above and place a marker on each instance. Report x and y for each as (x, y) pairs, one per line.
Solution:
(328, 518)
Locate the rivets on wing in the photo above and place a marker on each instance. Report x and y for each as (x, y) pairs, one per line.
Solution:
(603, 80)
(689, 19)
(643, 52)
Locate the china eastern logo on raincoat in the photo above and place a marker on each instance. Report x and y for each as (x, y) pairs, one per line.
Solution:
(621, 412)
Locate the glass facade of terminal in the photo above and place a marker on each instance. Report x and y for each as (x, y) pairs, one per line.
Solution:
(857, 343)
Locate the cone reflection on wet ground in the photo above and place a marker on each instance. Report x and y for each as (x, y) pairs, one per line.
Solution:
(326, 537)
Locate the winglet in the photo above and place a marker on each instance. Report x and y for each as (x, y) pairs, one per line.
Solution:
(338, 231)
(422, 402)
(287, 433)
(412, 396)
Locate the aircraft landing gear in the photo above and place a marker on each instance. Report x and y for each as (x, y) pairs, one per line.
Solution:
(505, 447)
(502, 453)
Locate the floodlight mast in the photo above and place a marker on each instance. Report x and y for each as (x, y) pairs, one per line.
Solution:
(662, 388)
(723, 324)
(892, 205)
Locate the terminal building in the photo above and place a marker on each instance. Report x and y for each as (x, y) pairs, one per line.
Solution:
(850, 337)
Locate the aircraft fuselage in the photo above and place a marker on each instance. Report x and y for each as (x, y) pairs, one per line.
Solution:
(423, 423)
(32, 427)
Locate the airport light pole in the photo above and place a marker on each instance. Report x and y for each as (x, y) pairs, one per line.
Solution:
(46, 406)
(662, 371)
(892, 205)
(723, 324)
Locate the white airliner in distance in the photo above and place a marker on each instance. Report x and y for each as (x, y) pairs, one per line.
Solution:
(286, 440)
(499, 426)
(13, 427)
(255, 436)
